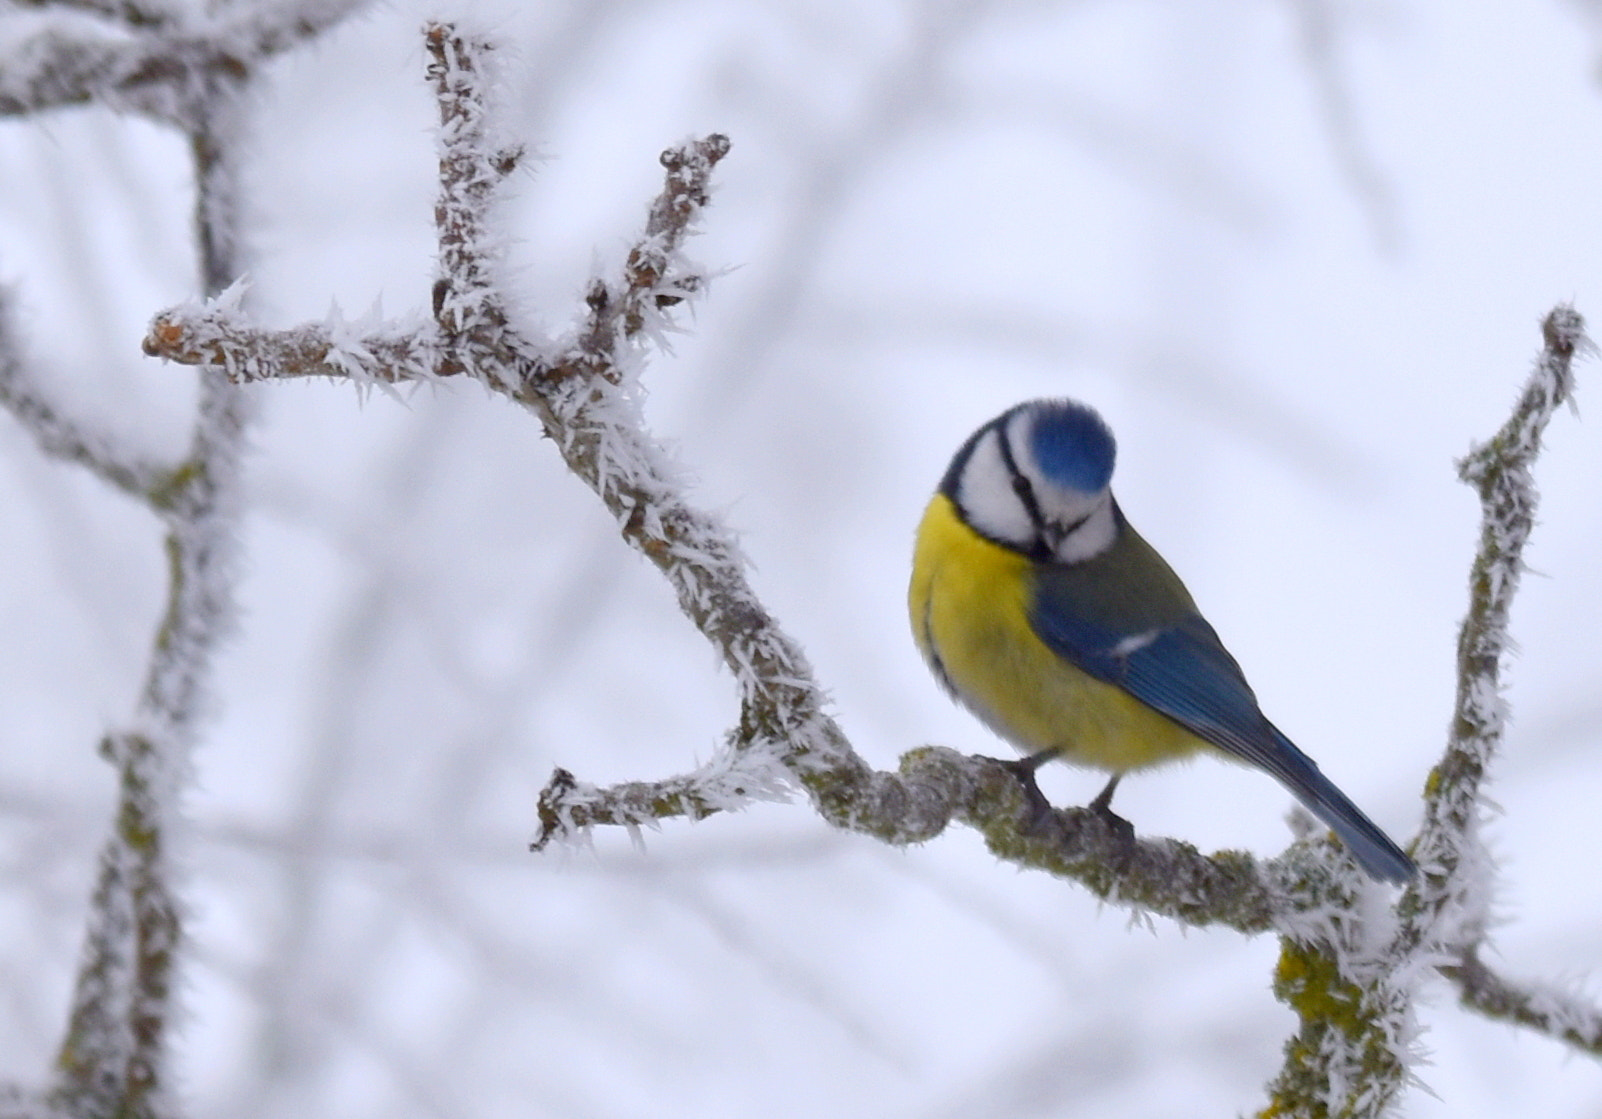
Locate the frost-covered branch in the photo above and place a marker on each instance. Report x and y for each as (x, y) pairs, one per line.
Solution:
(113, 1057)
(61, 436)
(583, 389)
(1449, 903)
(651, 284)
(1353, 993)
(217, 333)
(472, 167)
(1542, 1007)
(1449, 907)
(122, 11)
(149, 61)
(937, 787)
(1350, 978)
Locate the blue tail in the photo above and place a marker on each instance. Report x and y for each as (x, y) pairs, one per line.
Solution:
(1372, 848)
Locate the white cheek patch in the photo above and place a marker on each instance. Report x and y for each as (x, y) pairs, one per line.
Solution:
(1091, 538)
(1060, 506)
(986, 497)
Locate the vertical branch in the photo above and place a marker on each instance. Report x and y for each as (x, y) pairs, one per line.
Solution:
(93, 1053)
(654, 279)
(1320, 49)
(1354, 1005)
(1351, 991)
(467, 303)
(1449, 903)
(114, 1056)
(1342, 1060)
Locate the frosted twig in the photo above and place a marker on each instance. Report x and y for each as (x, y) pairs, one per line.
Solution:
(113, 1055)
(114, 1052)
(653, 279)
(1447, 910)
(122, 11)
(164, 69)
(217, 335)
(1546, 1009)
(1354, 990)
(471, 168)
(65, 438)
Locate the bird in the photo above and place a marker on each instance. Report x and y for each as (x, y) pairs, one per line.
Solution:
(1039, 608)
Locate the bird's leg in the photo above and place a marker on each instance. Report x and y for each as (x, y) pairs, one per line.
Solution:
(1023, 769)
(1102, 806)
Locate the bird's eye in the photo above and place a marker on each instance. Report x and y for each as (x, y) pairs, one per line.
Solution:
(1025, 491)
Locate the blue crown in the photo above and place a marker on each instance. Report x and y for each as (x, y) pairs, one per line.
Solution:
(1072, 446)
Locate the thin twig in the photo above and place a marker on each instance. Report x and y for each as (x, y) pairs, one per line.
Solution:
(62, 437)
(163, 70)
(1558, 1014)
(120, 11)
(471, 169)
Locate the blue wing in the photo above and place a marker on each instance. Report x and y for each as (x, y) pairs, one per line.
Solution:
(1178, 667)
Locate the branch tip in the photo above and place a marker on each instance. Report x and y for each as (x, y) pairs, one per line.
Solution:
(550, 810)
(708, 150)
(1563, 331)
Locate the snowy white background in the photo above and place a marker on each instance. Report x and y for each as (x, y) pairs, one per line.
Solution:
(1296, 252)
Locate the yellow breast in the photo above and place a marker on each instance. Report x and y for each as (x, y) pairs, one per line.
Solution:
(969, 603)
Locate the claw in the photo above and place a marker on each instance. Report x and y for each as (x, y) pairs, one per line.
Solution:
(1102, 806)
(1040, 810)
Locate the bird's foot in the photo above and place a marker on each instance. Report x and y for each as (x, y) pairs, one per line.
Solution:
(1041, 812)
(1102, 807)
(1121, 828)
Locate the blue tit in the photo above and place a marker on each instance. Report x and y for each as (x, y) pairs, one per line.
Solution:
(1043, 611)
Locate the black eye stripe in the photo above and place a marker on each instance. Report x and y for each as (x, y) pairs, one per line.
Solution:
(1020, 485)
(1046, 536)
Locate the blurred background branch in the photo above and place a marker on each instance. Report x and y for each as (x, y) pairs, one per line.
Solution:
(114, 1057)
